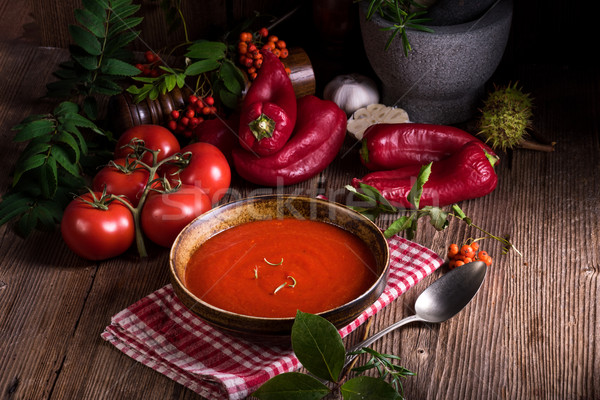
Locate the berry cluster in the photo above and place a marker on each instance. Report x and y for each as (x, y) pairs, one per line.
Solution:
(467, 253)
(151, 67)
(249, 46)
(198, 109)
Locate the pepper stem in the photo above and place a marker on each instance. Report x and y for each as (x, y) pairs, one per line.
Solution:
(262, 127)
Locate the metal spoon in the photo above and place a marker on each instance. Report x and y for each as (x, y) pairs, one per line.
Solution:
(439, 302)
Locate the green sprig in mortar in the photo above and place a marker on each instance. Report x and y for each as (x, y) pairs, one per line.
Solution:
(506, 119)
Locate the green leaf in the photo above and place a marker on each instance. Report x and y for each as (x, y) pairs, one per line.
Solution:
(13, 205)
(170, 82)
(318, 346)
(86, 40)
(96, 7)
(113, 66)
(123, 11)
(65, 108)
(90, 107)
(368, 387)
(378, 197)
(28, 164)
(34, 148)
(48, 178)
(91, 21)
(437, 217)
(64, 160)
(126, 24)
(34, 129)
(205, 49)
(202, 66)
(229, 99)
(88, 62)
(414, 196)
(401, 224)
(66, 138)
(118, 42)
(229, 73)
(291, 386)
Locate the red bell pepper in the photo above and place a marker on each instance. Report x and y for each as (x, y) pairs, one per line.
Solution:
(268, 112)
(391, 146)
(318, 137)
(467, 174)
(222, 133)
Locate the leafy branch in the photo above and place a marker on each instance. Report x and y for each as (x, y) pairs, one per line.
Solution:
(48, 169)
(63, 143)
(402, 16)
(99, 58)
(207, 61)
(319, 348)
(377, 204)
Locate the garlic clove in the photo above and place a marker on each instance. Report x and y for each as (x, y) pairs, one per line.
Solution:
(374, 114)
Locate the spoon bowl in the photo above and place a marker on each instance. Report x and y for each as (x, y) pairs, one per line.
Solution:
(440, 301)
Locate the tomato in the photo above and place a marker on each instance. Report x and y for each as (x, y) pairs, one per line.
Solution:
(122, 180)
(208, 169)
(164, 215)
(95, 233)
(155, 137)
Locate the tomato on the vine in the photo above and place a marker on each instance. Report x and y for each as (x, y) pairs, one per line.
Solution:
(164, 215)
(97, 228)
(208, 169)
(119, 178)
(155, 137)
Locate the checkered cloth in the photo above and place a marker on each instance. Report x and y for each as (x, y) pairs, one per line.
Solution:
(161, 333)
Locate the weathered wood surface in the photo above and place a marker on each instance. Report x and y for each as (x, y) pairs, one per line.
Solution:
(531, 332)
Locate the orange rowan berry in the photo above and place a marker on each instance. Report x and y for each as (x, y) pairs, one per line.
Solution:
(452, 250)
(280, 44)
(264, 32)
(288, 70)
(467, 251)
(245, 36)
(284, 53)
(273, 38)
(458, 263)
(475, 246)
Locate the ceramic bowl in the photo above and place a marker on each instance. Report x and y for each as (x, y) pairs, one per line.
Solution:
(274, 330)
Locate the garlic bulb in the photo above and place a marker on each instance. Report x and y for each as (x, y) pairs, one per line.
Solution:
(351, 92)
(374, 114)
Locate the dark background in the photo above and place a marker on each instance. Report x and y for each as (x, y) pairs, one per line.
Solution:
(554, 33)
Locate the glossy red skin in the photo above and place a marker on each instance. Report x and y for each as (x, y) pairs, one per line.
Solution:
(164, 215)
(208, 169)
(466, 174)
(155, 137)
(222, 133)
(318, 137)
(270, 93)
(130, 184)
(391, 146)
(96, 234)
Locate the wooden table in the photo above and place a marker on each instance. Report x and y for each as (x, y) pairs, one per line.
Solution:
(531, 332)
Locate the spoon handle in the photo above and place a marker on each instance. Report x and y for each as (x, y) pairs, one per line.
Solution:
(367, 342)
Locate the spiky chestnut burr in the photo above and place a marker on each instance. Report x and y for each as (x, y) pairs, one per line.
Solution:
(505, 119)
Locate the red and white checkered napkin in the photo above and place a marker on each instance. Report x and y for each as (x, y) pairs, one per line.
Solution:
(161, 333)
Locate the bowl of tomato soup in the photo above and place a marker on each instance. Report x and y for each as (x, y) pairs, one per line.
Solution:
(248, 266)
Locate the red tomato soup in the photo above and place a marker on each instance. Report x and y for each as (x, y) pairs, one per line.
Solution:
(274, 268)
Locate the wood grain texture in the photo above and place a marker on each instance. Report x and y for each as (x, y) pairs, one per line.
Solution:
(531, 332)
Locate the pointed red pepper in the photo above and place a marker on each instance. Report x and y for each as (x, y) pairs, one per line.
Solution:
(467, 174)
(268, 112)
(318, 137)
(391, 146)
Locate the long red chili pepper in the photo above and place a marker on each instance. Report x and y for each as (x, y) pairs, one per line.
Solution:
(268, 112)
(466, 174)
(391, 146)
(317, 138)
